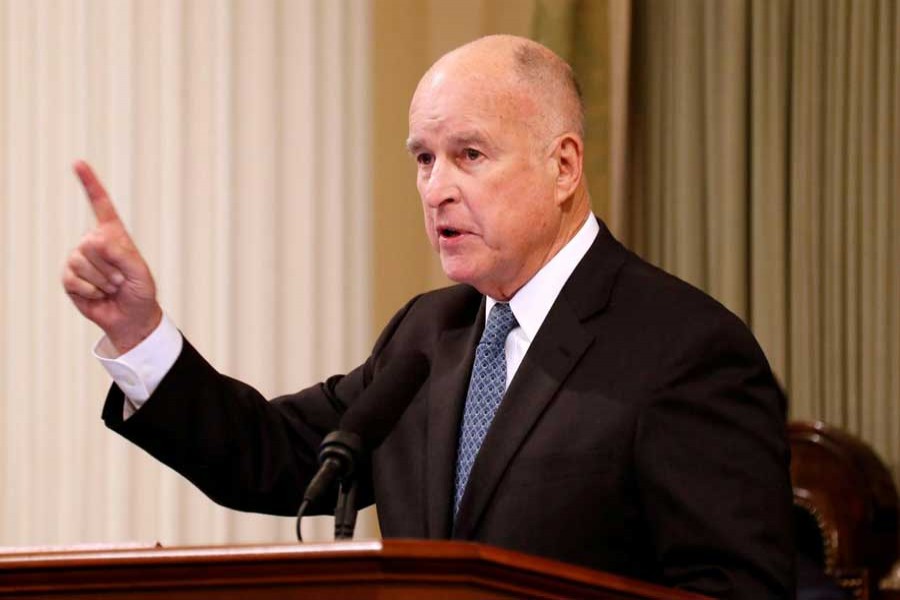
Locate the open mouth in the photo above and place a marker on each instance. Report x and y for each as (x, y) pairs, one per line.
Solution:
(448, 232)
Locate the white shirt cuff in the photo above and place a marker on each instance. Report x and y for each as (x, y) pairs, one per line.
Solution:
(139, 371)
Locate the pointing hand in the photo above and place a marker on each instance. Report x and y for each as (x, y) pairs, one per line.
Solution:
(106, 276)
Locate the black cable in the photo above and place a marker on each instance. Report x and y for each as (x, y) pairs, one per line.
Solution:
(303, 506)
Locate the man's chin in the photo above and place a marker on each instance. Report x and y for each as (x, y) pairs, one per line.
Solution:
(458, 271)
(474, 279)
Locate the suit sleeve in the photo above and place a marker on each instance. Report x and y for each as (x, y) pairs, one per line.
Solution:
(713, 469)
(241, 450)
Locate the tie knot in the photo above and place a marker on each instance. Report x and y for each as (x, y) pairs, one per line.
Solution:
(500, 322)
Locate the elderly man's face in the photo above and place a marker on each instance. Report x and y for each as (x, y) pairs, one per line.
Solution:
(485, 179)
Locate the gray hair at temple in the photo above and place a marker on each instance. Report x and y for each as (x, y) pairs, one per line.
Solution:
(544, 71)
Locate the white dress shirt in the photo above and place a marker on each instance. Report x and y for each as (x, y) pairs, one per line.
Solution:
(533, 301)
(139, 371)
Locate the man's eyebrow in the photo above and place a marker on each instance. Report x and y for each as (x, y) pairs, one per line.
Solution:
(414, 145)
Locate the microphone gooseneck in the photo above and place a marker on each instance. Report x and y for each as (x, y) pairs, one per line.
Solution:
(363, 428)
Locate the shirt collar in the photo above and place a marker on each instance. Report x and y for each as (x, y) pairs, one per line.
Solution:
(533, 301)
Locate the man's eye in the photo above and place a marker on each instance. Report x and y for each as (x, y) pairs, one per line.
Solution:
(424, 159)
(472, 154)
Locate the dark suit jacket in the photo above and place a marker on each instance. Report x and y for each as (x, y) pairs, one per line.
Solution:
(643, 434)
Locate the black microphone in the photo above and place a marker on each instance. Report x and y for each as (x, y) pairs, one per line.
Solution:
(366, 424)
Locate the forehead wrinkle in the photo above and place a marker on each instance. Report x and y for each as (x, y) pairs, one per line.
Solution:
(414, 145)
(474, 87)
(473, 106)
(473, 137)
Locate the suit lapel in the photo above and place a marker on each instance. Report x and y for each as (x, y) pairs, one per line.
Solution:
(558, 346)
(451, 369)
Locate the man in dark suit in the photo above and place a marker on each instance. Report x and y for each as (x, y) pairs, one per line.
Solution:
(640, 429)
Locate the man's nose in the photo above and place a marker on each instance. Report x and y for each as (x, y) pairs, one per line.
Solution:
(442, 185)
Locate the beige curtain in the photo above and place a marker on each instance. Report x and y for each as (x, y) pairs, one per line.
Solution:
(764, 152)
(234, 137)
(408, 35)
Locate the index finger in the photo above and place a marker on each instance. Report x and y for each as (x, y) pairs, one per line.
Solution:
(100, 203)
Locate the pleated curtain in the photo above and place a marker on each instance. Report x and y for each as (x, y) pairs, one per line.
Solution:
(763, 154)
(755, 152)
(234, 139)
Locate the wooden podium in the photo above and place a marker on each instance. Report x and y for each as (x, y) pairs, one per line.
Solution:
(394, 569)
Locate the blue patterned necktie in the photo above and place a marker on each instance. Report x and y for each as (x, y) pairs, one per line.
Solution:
(486, 389)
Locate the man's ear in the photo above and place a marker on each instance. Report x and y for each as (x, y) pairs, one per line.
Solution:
(569, 157)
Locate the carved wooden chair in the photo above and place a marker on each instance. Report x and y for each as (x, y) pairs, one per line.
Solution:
(845, 506)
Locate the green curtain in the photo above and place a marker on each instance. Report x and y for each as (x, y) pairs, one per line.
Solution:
(577, 31)
(764, 167)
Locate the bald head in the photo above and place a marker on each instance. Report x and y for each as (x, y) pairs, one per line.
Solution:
(545, 73)
(522, 71)
(495, 130)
